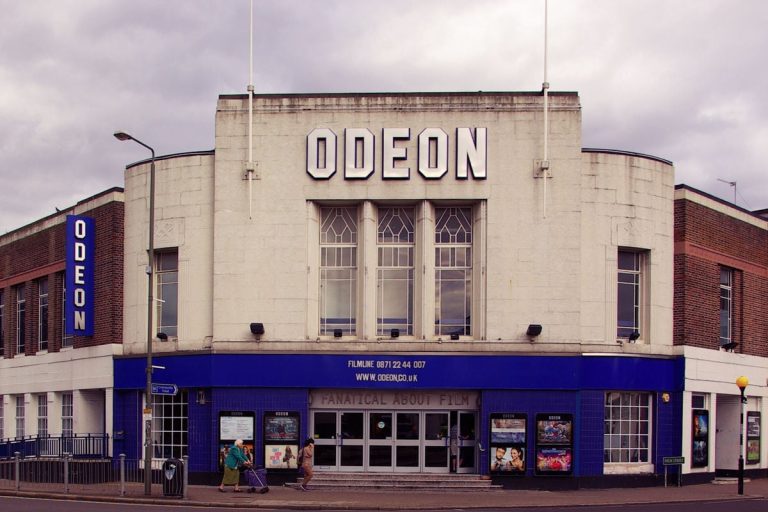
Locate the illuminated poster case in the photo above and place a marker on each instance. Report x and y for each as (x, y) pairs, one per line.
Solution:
(508, 443)
(281, 440)
(234, 425)
(700, 438)
(554, 444)
(753, 437)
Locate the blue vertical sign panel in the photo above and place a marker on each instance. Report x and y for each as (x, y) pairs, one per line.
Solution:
(80, 276)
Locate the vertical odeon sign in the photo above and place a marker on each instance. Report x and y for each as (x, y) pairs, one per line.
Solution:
(79, 283)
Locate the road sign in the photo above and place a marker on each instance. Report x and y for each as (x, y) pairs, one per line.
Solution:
(164, 389)
(673, 461)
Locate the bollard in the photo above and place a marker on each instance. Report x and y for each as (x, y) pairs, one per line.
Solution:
(18, 467)
(185, 481)
(122, 474)
(66, 473)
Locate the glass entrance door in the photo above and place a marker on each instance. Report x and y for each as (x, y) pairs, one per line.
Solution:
(380, 441)
(385, 441)
(407, 441)
(325, 430)
(339, 440)
(467, 442)
(351, 441)
(435, 442)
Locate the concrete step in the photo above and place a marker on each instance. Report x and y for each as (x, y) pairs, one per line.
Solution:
(400, 481)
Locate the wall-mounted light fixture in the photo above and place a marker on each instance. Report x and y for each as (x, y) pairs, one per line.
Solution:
(257, 328)
(634, 336)
(394, 333)
(454, 336)
(533, 330)
(162, 336)
(729, 347)
(337, 333)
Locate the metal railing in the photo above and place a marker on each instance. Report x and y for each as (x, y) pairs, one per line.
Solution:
(78, 446)
(107, 476)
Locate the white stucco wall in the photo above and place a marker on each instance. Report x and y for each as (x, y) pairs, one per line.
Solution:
(545, 253)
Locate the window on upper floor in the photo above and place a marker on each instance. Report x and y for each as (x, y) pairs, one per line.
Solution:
(42, 314)
(726, 306)
(453, 271)
(394, 286)
(167, 275)
(66, 339)
(629, 295)
(2, 325)
(369, 286)
(21, 319)
(338, 271)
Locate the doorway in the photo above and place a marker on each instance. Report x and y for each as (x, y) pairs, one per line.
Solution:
(395, 441)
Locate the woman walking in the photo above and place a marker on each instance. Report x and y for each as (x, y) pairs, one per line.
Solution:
(234, 459)
(307, 463)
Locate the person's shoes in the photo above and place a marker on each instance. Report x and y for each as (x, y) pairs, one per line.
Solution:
(238, 490)
(303, 488)
(221, 490)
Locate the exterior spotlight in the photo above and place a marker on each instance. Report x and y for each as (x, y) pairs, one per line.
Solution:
(337, 333)
(533, 330)
(634, 336)
(394, 333)
(162, 336)
(257, 328)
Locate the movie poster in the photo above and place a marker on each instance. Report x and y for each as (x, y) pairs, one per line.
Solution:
(508, 443)
(280, 456)
(554, 460)
(700, 438)
(554, 429)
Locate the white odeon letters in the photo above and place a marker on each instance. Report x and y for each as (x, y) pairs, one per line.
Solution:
(432, 146)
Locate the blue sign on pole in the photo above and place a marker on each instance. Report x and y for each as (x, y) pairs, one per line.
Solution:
(164, 389)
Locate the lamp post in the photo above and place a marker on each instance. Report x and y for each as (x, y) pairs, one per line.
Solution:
(122, 136)
(741, 382)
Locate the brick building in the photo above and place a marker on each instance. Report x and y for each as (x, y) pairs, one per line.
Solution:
(51, 382)
(721, 288)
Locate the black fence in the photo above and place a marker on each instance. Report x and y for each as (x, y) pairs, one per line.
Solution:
(78, 446)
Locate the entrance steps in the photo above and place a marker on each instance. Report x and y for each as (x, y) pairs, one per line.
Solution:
(400, 481)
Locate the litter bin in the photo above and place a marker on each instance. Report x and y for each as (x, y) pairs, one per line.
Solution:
(173, 478)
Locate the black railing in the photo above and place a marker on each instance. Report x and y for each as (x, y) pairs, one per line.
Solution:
(78, 446)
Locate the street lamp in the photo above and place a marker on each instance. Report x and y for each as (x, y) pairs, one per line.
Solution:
(741, 382)
(122, 136)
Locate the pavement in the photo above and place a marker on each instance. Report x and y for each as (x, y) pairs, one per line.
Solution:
(321, 499)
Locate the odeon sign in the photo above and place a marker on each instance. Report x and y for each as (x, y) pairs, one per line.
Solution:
(79, 296)
(432, 147)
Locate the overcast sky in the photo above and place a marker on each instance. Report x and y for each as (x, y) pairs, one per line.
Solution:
(683, 80)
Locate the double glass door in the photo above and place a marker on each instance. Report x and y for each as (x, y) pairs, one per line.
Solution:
(401, 441)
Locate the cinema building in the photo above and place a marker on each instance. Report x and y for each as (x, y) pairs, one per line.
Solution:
(420, 282)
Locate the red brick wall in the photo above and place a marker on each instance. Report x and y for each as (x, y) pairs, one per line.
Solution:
(43, 254)
(705, 241)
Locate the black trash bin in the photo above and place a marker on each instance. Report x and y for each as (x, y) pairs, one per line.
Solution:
(173, 478)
